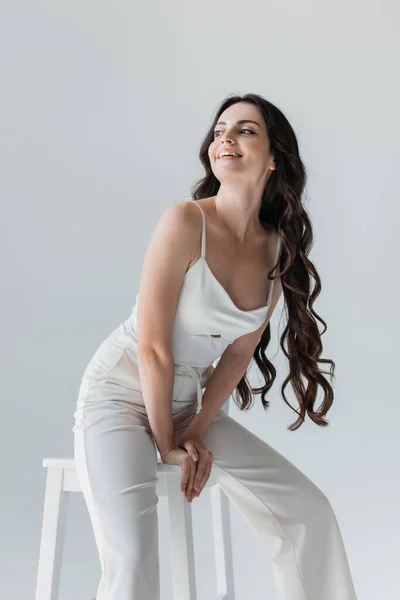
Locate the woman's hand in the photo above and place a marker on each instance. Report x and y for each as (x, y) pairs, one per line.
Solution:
(203, 460)
(179, 456)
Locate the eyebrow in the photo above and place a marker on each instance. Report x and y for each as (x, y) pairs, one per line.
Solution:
(239, 122)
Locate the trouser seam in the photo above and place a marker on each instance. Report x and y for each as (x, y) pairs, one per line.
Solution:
(276, 519)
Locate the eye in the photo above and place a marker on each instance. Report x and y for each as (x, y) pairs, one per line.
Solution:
(243, 129)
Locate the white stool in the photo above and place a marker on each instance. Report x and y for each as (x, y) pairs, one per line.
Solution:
(62, 479)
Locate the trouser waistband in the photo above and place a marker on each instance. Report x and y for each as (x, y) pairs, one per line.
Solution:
(195, 372)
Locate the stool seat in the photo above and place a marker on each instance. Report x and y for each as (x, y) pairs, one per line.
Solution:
(62, 479)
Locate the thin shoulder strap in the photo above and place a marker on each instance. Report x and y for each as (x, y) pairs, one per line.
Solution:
(203, 231)
(271, 285)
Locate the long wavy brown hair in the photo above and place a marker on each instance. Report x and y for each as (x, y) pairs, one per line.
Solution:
(282, 207)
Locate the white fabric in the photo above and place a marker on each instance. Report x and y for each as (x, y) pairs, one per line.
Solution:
(205, 310)
(116, 459)
(116, 462)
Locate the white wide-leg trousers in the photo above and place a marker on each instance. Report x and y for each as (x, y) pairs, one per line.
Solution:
(116, 463)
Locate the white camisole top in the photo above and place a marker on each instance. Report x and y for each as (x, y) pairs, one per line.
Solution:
(206, 320)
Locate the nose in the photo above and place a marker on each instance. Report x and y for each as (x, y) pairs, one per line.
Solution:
(226, 136)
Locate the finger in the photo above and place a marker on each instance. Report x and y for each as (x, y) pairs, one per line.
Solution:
(192, 473)
(204, 483)
(206, 475)
(187, 465)
(191, 450)
(185, 476)
(201, 467)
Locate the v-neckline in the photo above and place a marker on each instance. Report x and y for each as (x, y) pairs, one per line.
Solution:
(252, 310)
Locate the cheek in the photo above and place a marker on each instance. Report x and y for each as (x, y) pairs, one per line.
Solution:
(211, 152)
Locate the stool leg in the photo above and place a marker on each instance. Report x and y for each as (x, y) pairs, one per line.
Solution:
(181, 536)
(222, 544)
(52, 538)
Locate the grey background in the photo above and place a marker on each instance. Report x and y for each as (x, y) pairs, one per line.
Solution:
(103, 108)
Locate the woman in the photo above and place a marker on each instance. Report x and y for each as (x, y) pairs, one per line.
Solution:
(207, 291)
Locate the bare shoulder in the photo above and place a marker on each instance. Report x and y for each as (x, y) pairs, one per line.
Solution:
(184, 214)
(177, 224)
(168, 254)
(185, 221)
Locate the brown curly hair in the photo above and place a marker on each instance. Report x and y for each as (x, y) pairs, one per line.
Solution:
(282, 208)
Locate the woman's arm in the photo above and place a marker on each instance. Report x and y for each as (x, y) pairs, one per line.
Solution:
(229, 371)
(171, 248)
(156, 370)
(227, 374)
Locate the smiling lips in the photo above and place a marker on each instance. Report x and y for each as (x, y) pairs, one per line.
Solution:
(228, 157)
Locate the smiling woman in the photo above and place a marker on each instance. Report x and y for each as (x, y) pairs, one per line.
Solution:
(267, 153)
(213, 273)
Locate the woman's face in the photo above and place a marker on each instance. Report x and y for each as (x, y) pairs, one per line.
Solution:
(248, 138)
